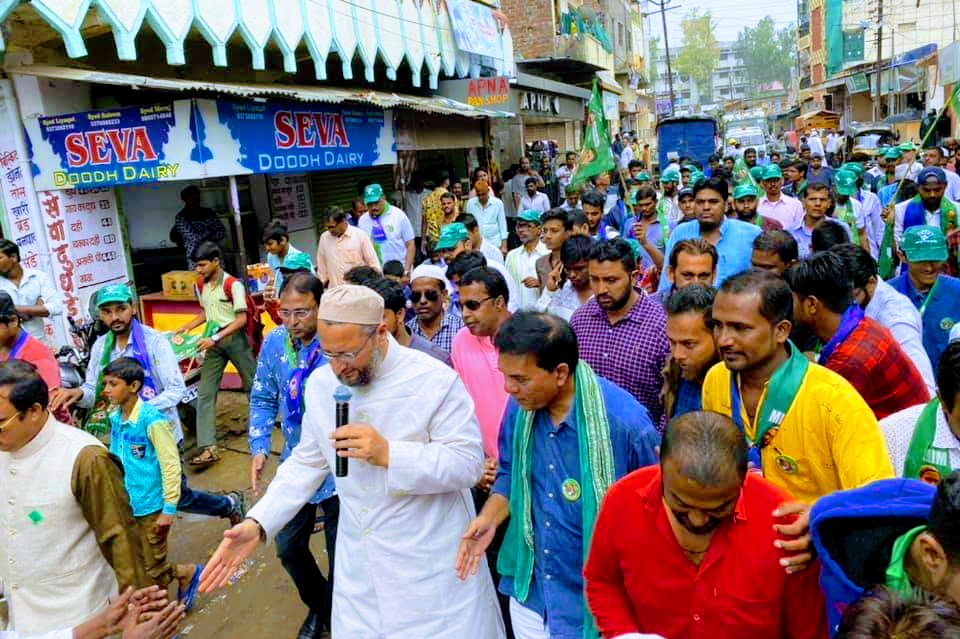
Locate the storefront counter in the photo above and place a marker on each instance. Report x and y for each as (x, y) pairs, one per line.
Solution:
(167, 314)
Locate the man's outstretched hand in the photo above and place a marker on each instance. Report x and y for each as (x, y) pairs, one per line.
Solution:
(238, 543)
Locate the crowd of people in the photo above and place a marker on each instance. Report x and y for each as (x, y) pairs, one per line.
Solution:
(709, 402)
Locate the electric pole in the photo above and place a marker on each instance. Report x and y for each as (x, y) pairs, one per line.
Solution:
(876, 88)
(662, 4)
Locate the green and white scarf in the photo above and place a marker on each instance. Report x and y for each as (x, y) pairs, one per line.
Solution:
(845, 214)
(597, 473)
(923, 458)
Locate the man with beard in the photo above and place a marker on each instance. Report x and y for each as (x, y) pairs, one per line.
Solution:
(854, 346)
(414, 448)
(668, 208)
(163, 387)
(691, 262)
(289, 354)
(593, 210)
(31, 290)
(733, 239)
(750, 157)
(808, 429)
(930, 207)
(745, 204)
(687, 548)
(342, 248)
(775, 251)
(692, 350)
(621, 330)
(567, 435)
(430, 294)
(888, 307)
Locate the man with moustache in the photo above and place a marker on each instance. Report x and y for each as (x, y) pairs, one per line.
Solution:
(430, 294)
(692, 349)
(414, 449)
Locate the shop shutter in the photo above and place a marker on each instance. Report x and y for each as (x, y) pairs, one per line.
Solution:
(329, 188)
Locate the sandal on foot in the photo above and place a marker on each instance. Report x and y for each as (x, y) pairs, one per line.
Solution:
(207, 457)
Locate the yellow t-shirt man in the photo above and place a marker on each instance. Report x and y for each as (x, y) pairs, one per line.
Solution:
(829, 440)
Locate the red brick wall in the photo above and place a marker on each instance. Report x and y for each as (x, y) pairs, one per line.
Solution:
(532, 27)
(816, 29)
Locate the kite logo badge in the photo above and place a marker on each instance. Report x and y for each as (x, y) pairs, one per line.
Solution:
(571, 489)
(929, 475)
(946, 324)
(787, 465)
(294, 388)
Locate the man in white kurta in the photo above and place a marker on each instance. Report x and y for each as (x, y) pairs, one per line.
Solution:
(414, 452)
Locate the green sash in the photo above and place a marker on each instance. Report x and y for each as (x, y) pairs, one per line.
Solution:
(846, 215)
(662, 218)
(896, 575)
(597, 473)
(781, 391)
(885, 264)
(923, 458)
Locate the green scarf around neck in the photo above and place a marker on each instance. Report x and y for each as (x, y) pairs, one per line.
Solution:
(845, 214)
(597, 473)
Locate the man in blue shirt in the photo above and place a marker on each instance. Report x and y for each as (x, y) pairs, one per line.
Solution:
(288, 355)
(936, 296)
(561, 418)
(733, 239)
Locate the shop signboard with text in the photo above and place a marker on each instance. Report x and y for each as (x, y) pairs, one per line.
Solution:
(194, 139)
(279, 137)
(113, 147)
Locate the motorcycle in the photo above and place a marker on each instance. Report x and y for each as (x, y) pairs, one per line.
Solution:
(75, 358)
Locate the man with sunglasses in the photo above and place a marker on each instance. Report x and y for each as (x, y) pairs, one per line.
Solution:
(413, 448)
(289, 354)
(430, 294)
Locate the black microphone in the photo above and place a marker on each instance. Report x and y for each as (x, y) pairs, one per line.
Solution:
(342, 396)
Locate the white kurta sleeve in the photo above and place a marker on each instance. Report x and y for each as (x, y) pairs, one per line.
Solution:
(297, 478)
(452, 457)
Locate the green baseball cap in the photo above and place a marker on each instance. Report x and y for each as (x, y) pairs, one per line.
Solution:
(845, 183)
(893, 153)
(670, 176)
(530, 216)
(924, 244)
(372, 193)
(297, 262)
(643, 176)
(907, 146)
(772, 172)
(757, 172)
(688, 168)
(695, 177)
(744, 190)
(114, 294)
(450, 236)
(853, 166)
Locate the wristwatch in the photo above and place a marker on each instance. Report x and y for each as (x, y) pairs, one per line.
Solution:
(216, 338)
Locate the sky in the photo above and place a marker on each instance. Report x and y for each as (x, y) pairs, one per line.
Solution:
(730, 16)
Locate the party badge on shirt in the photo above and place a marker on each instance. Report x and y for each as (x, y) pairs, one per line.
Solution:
(930, 475)
(787, 464)
(294, 388)
(946, 323)
(139, 451)
(571, 489)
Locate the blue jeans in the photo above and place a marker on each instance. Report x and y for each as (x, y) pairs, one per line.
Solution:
(201, 503)
(293, 549)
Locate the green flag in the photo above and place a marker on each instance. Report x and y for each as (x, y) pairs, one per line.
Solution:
(741, 174)
(596, 154)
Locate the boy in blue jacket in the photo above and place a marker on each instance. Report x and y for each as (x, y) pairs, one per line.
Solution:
(901, 533)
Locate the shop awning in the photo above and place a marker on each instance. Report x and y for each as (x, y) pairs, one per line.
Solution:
(609, 82)
(455, 38)
(427, 104)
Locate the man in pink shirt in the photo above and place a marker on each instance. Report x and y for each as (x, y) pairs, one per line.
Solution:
(341, 248)
(776, 205)
(483, 300)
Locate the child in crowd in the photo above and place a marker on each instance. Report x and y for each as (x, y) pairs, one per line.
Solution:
(142, 438)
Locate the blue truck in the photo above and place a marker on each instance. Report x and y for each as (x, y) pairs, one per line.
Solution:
(694, 137)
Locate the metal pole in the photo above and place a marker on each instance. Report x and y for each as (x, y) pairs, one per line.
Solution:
(666, 44)
(235, 208)
(876, 88)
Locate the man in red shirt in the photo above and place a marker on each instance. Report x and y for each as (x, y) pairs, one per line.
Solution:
(16, 343)
(855, 347)
(686, 549)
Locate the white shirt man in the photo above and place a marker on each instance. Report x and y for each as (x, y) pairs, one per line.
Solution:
(522, 265)
(34, 285)
(898, 430)
(401, 517)
(538, 202)
(896, 312)
(397, 231)
(626, 156)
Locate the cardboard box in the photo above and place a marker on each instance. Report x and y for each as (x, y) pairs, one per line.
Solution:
(180, 285)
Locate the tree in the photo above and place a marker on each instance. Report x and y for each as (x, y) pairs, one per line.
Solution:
(767, 54)
(700, 52)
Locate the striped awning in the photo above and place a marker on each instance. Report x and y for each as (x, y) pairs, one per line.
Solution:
(421, 34)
